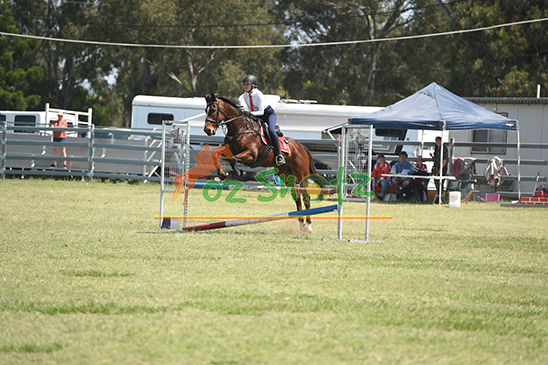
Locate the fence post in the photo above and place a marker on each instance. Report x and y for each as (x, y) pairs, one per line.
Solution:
(369, 173)
(342, 162)
(4, 139)
(91, 151)
(162, 167)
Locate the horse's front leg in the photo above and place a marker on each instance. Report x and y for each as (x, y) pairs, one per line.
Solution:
(235, 168)
(246, 157)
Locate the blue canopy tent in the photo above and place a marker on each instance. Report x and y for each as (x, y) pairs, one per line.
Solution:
(435, 108)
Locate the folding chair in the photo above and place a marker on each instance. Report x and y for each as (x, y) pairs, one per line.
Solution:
(461, 184)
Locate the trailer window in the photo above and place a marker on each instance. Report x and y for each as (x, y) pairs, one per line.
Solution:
(24, 121)
(2, 118)
(156, 118)
(387, 132)
(490, 135)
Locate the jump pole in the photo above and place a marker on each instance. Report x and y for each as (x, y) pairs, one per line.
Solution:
(241, 222)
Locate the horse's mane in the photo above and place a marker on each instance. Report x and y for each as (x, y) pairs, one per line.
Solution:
(235, 103)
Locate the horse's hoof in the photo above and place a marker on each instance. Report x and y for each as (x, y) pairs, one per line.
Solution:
(235, 174)
(306, 228)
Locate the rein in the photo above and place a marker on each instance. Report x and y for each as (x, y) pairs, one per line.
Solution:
(218, 123)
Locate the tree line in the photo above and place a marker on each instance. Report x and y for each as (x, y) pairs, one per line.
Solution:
(503, 61)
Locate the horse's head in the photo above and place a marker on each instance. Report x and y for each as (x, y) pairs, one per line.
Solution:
(212, 121)
(215, 114)
(220, 111)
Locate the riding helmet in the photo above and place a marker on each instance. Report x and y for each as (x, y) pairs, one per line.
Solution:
(250, 79)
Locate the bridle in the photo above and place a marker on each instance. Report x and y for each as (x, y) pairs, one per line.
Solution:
(223, 123)
(216, 122)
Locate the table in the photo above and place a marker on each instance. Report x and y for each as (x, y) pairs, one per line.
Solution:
(436, 177)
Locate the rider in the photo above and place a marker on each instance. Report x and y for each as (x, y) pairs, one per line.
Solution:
(256, 103)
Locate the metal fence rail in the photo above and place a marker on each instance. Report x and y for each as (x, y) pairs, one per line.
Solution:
(30, 152)
(122, 153)
(106, 153)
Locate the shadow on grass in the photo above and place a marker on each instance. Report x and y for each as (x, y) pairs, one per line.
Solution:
(31, 348)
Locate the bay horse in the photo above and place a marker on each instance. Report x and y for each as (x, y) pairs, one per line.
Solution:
(243, 138)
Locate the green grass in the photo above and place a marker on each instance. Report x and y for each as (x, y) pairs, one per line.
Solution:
(87, 277)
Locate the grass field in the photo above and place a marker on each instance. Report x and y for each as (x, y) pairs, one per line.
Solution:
(87, 277)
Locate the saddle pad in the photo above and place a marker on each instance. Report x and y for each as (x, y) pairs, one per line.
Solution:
(284, 146)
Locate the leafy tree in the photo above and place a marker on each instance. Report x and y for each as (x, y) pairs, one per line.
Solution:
(373, 73)
(66, 64)
(186, 72)
(107, 106)
(507, 61)
(17, 76)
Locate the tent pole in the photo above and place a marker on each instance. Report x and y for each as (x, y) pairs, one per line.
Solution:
(342, 162)
(451, 153)
(422, 143)
(440, 185)
(369, 162)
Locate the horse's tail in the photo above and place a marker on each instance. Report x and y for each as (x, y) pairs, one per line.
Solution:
(312, 168)
(314, 175)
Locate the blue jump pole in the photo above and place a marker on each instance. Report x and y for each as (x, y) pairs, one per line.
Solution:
(241, 222)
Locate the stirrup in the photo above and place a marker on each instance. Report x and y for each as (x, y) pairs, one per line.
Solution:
(280, 159)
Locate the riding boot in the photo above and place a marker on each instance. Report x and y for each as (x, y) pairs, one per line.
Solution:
(280, 159)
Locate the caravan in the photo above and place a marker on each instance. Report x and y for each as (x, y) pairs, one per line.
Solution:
(312, 124)
(299, 119)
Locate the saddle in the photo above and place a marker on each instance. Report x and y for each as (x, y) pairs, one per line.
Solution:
(265, 138)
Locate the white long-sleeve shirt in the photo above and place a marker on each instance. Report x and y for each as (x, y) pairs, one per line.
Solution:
(259, 102)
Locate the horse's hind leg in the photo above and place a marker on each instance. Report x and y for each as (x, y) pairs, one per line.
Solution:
(299, 205)
(307, 227)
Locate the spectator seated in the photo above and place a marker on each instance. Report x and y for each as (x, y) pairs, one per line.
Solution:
(391, 189)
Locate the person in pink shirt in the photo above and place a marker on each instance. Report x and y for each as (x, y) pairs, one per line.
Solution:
(60, 136)
(380, 168)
